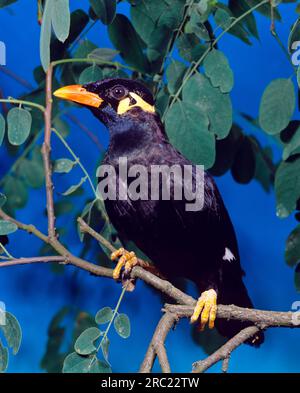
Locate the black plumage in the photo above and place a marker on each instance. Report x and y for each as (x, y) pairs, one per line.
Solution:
(200, 246)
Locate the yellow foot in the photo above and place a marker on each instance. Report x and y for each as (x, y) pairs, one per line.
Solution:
(207, 308)
(127, 260)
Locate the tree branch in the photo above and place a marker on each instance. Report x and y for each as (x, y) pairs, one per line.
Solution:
(46, 150)
(157, 345)
(224, 352)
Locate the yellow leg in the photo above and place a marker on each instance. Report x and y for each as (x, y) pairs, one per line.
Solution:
(127, 260)
(207, 308)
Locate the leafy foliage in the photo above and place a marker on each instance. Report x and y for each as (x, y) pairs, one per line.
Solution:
(172, 46)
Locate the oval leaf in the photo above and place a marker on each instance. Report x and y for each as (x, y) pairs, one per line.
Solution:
(104, 315)
(75, 363)
(218, 70)
(74, 188)
(19, 124)
(187, 129)
(211, 102)
(292, 248)
(12, 332)
(63, 165)
(90, 74)
(105, 10)
(107, 54)
(45, 37)
(61, 19)
(84, 344)
(287, 187)
(126, 40)
(277, 106)
(122, 325)
(7, 227)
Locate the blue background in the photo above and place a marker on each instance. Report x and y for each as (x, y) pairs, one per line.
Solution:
(34, 293)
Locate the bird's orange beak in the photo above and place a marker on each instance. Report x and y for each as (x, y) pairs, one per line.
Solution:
(79, 94)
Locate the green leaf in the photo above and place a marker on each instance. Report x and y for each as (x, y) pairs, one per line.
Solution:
(63, 165)
(18, 124)
(277, 106)
(222, 18)
(75, 363)
(84, 49)
(90, 74)
(287, 187)
(104, 315)
(3, 358)
(3, 199)
(61, 19)
(210, 102)
(105, 347)
(74, 188)
(128, 43)
(264, 9)
(239, 8)
(244, 165)
(2, 128)
(16, 192)
(292, 146)
(218, 70)
(12, 331)
(105, 54)
(84, 344)
(45, 37)
(122, 325)
(175, 73)
(194, 25)
(105, 10)
(203, 8)
(7, 227)
(33, 173)
(162, 101)
(189, 47)
(99, 367)
(187, 129)
(292, 247)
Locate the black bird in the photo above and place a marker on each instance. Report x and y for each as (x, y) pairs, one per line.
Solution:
(197, 245)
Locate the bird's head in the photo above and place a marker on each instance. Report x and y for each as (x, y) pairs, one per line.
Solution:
(111, 100)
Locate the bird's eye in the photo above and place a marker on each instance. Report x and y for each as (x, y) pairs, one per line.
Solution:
(119, 92)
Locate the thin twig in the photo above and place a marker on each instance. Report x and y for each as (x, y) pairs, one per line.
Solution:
(27, 261)
(224, 352)
(46, 151)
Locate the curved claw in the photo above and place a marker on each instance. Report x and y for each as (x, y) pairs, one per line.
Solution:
(127, 260)
(207, 308)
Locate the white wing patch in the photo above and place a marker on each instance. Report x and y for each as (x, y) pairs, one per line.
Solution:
(228, 256)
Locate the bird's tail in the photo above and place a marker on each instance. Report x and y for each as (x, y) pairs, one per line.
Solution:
(236, 293)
